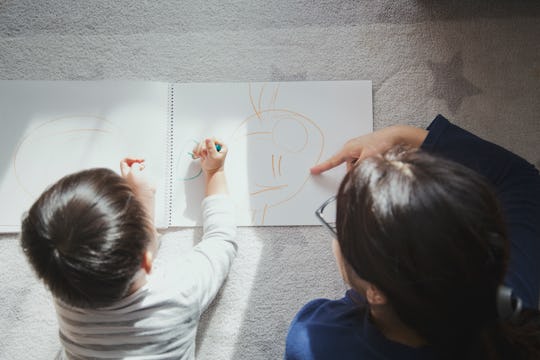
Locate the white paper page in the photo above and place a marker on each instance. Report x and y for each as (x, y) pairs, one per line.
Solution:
(54, 128)
(275, 133)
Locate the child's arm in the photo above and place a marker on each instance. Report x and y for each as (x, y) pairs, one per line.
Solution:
(212, 258)
(131, 169)
(212, 162)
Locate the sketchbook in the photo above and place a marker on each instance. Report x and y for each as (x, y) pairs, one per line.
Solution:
(275, 132)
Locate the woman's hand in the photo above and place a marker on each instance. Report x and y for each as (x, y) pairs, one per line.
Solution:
(371, 144)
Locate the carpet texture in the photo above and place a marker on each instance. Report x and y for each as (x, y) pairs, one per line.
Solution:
(477, 63)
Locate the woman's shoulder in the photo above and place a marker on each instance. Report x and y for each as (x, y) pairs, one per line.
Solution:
(324, 326)
(332, 312)
(341, 329)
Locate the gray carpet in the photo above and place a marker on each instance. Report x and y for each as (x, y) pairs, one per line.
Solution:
(476, 62)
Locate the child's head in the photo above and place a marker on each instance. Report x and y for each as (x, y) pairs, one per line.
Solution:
(429, 234)
(86, 237)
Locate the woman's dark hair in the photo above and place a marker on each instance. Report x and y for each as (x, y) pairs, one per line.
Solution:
(85, 237)
(429, 233)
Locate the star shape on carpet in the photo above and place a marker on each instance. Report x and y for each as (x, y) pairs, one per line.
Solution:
(449, 84)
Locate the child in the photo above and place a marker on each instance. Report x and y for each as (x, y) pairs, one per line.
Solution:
(90, 237)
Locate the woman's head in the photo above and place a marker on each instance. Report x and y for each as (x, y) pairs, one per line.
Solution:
(429, 234)
(86, 236)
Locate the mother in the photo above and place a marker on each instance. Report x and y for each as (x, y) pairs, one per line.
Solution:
(440, 244)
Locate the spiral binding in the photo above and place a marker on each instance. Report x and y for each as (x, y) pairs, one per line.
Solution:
(170, 156)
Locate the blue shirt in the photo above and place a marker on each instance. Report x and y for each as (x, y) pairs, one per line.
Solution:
(339, 329)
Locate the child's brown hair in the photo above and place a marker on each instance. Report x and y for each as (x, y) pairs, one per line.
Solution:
(85, 237)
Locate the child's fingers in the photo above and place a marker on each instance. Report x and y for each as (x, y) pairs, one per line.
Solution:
(124, 168)
(129, 164)
(218, 148)
(197, 150)
(211, 147)
(138, 166)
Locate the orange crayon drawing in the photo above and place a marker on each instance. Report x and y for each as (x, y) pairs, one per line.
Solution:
(44, 147)
(288, 141)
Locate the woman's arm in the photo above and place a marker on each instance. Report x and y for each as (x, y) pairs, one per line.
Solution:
(517, 184)
(373, 143)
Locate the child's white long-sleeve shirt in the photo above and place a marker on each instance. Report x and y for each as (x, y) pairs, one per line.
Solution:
(159, 320)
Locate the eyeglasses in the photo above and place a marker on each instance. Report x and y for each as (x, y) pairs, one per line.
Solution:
(327, 215)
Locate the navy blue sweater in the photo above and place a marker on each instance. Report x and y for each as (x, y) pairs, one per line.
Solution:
(335, 329)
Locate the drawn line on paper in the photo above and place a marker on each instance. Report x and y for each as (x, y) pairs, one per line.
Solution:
(259, 133)
(189, 159)
(268, 188)
(29, 136)
(193, 177)
(273, 103)
(260, 97)
(319, 155)
(279, 121)
(253, 103)
(264, 212)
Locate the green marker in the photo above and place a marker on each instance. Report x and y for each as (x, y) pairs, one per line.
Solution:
(218, 147)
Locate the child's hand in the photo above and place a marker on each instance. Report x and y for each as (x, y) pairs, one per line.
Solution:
(132, 169)
(212, 159)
